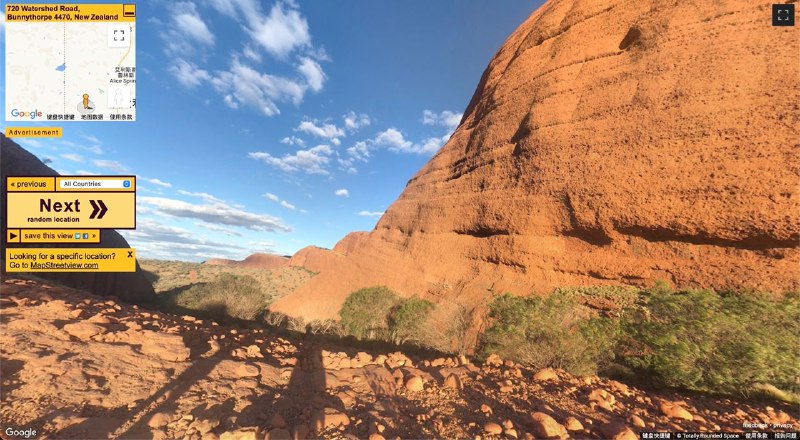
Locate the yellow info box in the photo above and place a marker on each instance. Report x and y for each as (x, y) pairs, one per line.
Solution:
(70, 260)
(64, 12)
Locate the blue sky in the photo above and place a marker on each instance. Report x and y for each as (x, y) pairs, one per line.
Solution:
(269, 126)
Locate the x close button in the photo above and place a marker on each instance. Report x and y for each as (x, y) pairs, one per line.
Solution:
(130, 254)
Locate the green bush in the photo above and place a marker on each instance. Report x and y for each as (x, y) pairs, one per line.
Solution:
(365, 312)
(548, 332)
(719, 342)
(237, 296)
(407, 320)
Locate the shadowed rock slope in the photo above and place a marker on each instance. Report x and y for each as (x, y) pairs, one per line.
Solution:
(131, 287)
(607, 142)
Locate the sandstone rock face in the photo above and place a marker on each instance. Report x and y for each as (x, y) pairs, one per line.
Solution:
(132, 287)
(255, 261)
(605, 144)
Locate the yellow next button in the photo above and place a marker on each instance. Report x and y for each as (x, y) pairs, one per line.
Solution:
(20, 184)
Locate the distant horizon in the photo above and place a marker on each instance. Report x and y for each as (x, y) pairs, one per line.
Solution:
(312, 116)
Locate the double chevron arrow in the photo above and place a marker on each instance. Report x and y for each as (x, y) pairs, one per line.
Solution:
(99, 209)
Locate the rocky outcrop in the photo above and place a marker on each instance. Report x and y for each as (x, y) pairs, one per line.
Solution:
(607, 142)
(131, 286)
(255, 261)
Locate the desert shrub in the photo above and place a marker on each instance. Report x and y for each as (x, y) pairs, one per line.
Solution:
(721, 342)
(407, 319)
(446, 328)
(236, 296)
(365, 312)
(325, 327)
(275, 319)
(548, 332)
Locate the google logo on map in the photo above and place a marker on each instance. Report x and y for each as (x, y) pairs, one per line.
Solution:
(32, 114)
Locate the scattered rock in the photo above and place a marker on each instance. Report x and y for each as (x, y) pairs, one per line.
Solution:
(327, 418)
(452, 381)
(492, 428)
(573, 424)
(636, 421)
(545, 374)
(250, 433)
(617, 431)
(83, 330)
(414, 383)
(159, 420)
(545, 426)
(675, 411)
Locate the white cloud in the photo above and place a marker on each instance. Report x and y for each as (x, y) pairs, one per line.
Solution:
(370, 213)
(284, 203)
(188, 74)
(394, 141)
(311, 161)
(158, 182)
(353, 122)
(323, 130)
(153, 239)
(292, 140)
(447, 119)
(206, 197)
(246, 86)
(112, 165)
(217, 212)
(251, 53)
(188, 21)
(312, 72)
(342, 192)
(73, 157)
(185, 30)
(282, 31)
(218, 228)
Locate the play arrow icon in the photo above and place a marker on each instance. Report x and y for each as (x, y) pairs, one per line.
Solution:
(99, 209)
(12, 235)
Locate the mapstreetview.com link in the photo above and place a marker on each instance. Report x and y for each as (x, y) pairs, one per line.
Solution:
(51, 265)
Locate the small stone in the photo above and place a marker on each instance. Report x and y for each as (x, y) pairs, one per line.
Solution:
(239, 434)
(492, 428)
(328, 418)
(159, 420)
(486, 409)
(573, 424)
(545, 426)
(617, 431)
(376, 436)
(636, 421)
(511, 432)
(453, 382)
(545, 374)
(675, 411)
(414, 383)
(83, 330)
(165, 347)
